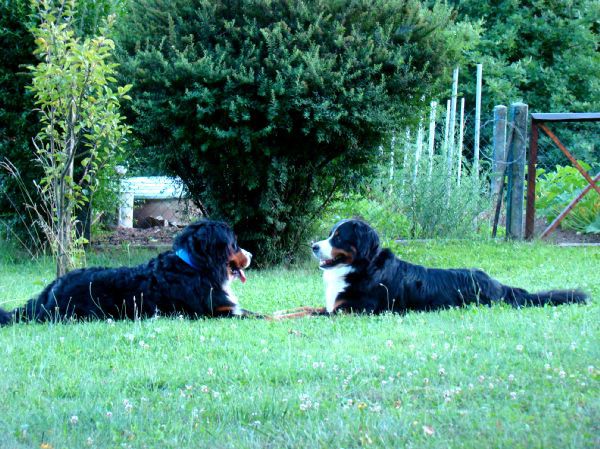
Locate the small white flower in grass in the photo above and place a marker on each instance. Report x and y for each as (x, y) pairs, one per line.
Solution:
(573, 346)
(381, 368)
(446, 346)
(469, 338)
(128, 405)
(481, 378)
(89, 441)
(442, 371)
(491, 385)
(519, 348)
(590, 369)
(108, 415)
(513, 395)
(129, 336)
(374, 358)
(317, 365)
(376, 408)
(187, 358)
(562, 374)
(73, 420)
(144, 345)
(434, 356)
(62, 340)
(216, 394)
(300, 381)
(210, 372)
(335, 368)
(511, 378)
(204, 389)
(411, 347)
(428, 430)
(389, 343)
(471, 386)
(426, 381)
(202, 338)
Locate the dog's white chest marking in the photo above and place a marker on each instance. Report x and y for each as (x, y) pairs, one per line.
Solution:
(335, 283)
(230, 294)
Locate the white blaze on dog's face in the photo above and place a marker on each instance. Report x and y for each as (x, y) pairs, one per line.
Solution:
(238, 261)
(337, 250)
(335, 255)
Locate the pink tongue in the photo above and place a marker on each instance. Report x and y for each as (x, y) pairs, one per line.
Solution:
(242, 275)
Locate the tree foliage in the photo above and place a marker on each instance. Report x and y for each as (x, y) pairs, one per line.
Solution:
(18, 122)
(265, 108)
(543, 53)
(80, 119)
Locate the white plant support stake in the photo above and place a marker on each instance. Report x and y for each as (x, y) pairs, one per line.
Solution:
(418, 151)
(392, 151)
(461, 137)
(446, 129)
(405, 160)
(477, 121)
(452, 135)
(431, 142)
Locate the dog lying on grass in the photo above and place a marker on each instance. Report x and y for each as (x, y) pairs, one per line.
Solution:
(362, 277)
(192, 280)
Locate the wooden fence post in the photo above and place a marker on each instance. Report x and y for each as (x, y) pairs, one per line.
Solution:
(516, 171)
(499, 153)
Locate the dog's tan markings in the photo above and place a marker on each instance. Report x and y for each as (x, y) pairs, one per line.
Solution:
(239, 260)
(339, 303)
(337, 253)
(222, 310)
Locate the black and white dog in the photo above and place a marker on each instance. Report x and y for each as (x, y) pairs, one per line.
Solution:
(362, 277)
(192, 280)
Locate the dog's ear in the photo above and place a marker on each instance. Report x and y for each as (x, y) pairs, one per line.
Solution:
(207, 243)
(367, 240)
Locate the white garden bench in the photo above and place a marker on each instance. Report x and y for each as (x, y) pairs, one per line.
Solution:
(146, 188)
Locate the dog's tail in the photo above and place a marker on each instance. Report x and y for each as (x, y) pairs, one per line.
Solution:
(519, 297)
(6, 317)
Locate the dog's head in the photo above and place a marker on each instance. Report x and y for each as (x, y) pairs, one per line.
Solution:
(212, 244)
(349, 241)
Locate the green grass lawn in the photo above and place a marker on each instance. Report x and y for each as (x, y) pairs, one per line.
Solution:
(478, 377)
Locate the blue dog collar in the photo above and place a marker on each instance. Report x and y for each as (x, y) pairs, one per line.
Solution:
(184, 255)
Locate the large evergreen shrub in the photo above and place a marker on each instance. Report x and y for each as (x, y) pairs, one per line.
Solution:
(266, 107)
